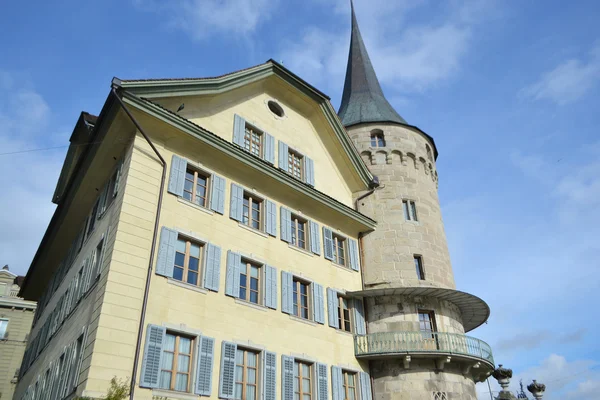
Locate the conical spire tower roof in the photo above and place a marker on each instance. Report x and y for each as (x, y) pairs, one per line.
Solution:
(363, 99)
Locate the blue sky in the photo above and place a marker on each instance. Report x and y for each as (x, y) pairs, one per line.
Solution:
(509, 90)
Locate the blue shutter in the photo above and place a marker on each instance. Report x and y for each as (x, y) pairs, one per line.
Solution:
(232, 277)
(269, 148)
(204, 366)
(270, 299)
(365, 386)
(287, 293)
(155, 337)
(236, 202)
(328, 243)
(269, 376)
(217, 194)
(315, 237)
(271, 220)
(359, 318)
(309, 171)
(177, 176)
(212, 267)
(287, 378)
(166, 252)
(227, 378)
(353, 252)
(318, 312)
(322, 392)
(285, 216)
(283, 156)
(332, 308)
(239, 128)
(337, 384)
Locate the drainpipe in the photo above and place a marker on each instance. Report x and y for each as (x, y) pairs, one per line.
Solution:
(154, 237)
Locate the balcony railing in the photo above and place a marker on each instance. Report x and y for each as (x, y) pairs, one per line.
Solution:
(388, 343)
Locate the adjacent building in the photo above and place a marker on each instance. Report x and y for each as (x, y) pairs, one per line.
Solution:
(16, 315)
(234, 237)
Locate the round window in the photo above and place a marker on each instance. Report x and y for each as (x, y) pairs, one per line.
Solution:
(275, 108)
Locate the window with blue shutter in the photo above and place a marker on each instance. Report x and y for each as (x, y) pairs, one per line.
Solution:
(318, 306)
(283, 156)
(151, 362)
(269, 153)
(287, 378)
(322, 392)
(365, 386)
(177, 175)
(269, 376)
(337, 384)
(309, 171)
(332, 308)
(204, 366)
(271, 218)
(236, 202)
(270, 297)
(212, 267)
(166, 252)
(232, 277)
(239, 127)
(315, 238)
(287, 293)
(328, 243)
(359, 317)
(217, 194)
(285, 216)
(227, 377)
(353, 254)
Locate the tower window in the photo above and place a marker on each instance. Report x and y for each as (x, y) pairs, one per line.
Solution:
(410, 210)
(377, 138)
(419, 267)
(429, 154)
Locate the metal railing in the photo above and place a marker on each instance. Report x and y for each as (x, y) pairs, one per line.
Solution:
(383, 343)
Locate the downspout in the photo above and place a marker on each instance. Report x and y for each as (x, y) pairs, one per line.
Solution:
(154, 237)
(373, 185)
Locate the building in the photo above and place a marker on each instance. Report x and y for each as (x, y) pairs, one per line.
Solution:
(16, 315)
(233, 237)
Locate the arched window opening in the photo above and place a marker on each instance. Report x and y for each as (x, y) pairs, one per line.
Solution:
(429, 154)
(377, 138)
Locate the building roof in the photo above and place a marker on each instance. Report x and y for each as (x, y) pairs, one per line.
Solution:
(363, 99)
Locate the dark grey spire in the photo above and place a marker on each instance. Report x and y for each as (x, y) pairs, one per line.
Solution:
(363, 99)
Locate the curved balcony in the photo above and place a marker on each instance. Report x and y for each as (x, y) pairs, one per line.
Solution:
(440, 345)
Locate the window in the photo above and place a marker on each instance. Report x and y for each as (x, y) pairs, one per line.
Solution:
(73, 378)
(344, 313)
(410, 210)
(253, 140)
(249, 282)
(246, 374)
(275, 108)
(92, 219)
(195, 188)
(252, 212)
(301, 294)
(3, 326)
(187, 261)
(349, 382)
(298, 232)
(428, 149)
(339, 245)
(377, 138)
(427, 324)
(419, 267)
(176, 363)
(295, 166)
(302, 381)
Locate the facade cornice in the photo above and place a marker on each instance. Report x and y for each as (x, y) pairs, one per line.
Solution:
(239, 154)
(10, 302)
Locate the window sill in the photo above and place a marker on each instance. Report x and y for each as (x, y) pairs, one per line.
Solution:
(410, 221)
(305, 321)
(301, 250)
(171, 394)
(195, 206)
(342, 267)
(258, 307)
(175, 282)
(246, 227)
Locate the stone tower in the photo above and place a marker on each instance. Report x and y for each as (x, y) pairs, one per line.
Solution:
(416, 319)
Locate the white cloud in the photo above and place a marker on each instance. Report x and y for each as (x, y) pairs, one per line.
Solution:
(27, 180)
(204, 18)
(568, 82)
